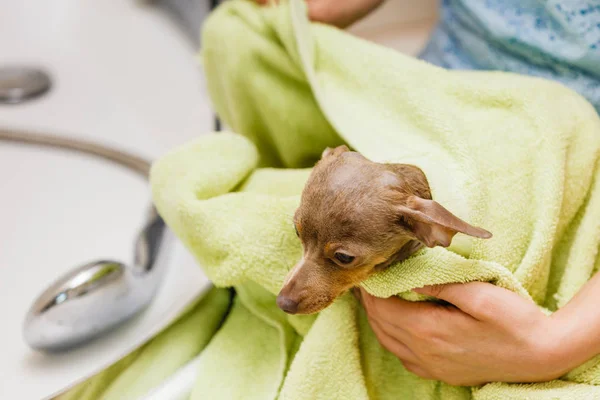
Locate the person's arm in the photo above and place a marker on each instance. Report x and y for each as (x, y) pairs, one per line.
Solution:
(577, 325)
(489, 334)
(340, 13)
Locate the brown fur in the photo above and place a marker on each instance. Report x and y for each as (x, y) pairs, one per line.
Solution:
(377, 213)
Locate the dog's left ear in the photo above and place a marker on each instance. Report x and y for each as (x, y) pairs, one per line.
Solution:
(433, 225)
(335, 151)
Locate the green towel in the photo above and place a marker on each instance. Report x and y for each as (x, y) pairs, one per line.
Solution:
(515, 155)
(147, 367)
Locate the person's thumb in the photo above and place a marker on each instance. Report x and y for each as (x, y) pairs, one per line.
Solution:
(478, 299)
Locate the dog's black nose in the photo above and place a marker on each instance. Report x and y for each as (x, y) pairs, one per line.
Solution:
(286, 304)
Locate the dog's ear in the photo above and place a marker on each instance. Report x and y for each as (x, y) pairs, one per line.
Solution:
(335, 151)
(433, 225)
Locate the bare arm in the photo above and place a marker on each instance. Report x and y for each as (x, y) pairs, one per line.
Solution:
(340, 13)
(577, 325)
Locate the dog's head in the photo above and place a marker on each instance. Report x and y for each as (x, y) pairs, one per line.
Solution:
(356, 217)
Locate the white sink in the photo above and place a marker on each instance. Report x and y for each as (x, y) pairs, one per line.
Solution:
(123, 74)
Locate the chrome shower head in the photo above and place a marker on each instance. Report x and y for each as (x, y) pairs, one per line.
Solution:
(98, 296)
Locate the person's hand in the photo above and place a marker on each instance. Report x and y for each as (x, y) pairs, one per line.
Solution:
(340, 13)
(488, 334)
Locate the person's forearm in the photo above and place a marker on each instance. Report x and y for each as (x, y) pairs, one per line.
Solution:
(341, 13)
(578, 326)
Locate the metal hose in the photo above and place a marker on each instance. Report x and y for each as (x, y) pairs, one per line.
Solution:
(135, 163)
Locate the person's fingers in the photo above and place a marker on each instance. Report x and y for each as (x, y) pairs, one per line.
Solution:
(340, 13)
(394, 310)
(481, 300)
(388, 308)
(406, 356)
(392, 343)
(417, 370)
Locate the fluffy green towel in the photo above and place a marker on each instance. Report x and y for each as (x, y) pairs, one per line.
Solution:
(516, 155)
(147, 367)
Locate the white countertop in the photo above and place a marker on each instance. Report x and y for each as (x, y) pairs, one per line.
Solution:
(123, 74)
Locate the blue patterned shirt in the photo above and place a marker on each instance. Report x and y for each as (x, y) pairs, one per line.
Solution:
(553, 39)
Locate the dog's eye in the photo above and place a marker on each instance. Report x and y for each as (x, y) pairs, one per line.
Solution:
(343, 258)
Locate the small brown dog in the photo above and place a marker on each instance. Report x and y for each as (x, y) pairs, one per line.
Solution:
(357, 217)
